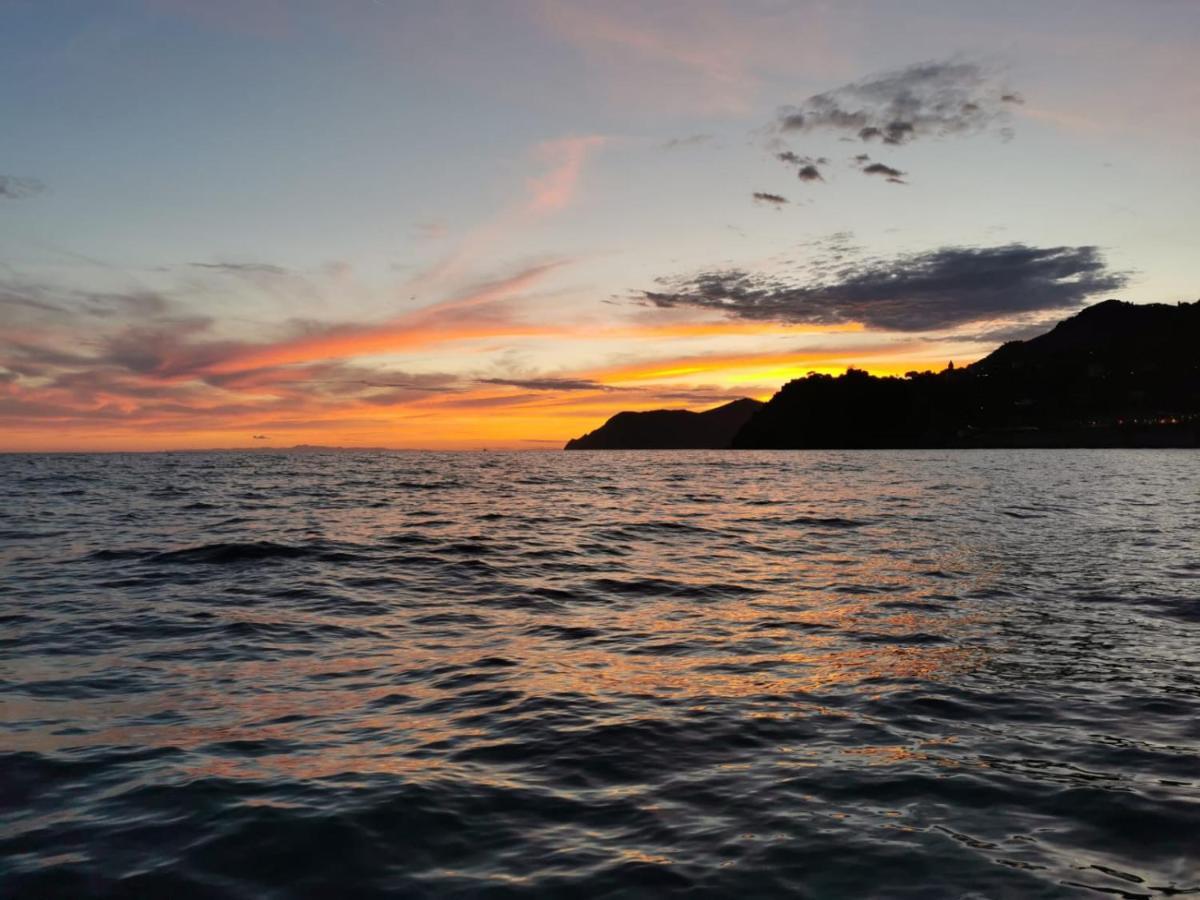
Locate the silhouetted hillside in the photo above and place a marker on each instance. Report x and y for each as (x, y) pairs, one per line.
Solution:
(1115, 374)
(670, 429)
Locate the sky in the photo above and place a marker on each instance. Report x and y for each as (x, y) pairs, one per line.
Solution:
(233, 223)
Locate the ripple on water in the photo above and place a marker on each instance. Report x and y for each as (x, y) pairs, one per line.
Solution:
(824, 674)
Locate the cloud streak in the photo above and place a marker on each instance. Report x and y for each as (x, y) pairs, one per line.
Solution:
(565, 157)
(246, 268)
(548, 384)
(16, 187)
(143, 358)
(776, 200)
(692, 140)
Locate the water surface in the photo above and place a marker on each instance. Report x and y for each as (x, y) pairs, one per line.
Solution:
(818, 674)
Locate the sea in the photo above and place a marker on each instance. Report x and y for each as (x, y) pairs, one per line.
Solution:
(697, 674)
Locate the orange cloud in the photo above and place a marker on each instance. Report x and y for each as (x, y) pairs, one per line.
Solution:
(439, 323)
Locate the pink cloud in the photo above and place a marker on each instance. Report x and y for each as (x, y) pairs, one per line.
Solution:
(705, 56)
(554, 190)
(547, 193)
(473, 314)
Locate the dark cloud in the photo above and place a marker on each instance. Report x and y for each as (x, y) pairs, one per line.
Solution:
(692, 140)
(928, 99)
(892, 133)
(14, 187)
(250, 268)
(406, 385)
(807, 167)
(773, 199)
(697, 396)
(893, 175)
(939, 289)
(1012, 98)
(796, 159)
(549, 384)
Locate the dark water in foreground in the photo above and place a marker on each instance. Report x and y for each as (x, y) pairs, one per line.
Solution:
(818, 674)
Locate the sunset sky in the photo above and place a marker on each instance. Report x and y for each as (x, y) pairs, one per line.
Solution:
(229, 223)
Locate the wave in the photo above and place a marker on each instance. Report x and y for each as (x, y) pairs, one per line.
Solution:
(787, 674)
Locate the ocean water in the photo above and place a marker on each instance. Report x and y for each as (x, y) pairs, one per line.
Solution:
(820, 674)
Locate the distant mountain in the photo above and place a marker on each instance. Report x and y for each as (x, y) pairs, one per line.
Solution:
(1115, 374)
(294, 448)
(670, 429)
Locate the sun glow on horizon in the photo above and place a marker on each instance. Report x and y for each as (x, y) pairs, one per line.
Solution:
(546, 213)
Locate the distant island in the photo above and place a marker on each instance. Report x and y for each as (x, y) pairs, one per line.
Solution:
(1114, 375)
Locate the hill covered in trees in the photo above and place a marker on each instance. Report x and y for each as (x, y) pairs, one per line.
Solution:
(670, 429)
(1115, 374)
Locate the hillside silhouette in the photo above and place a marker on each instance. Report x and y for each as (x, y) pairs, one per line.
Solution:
(1114, 375)
(670, 429)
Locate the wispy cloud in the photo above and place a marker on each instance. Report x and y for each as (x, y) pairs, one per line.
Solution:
(433, 230)
(692, 140)
(554, 190)
(16, 187)
(548, 384)
(144, 345)
(242, 268)
(562, 162)
(628, 36)
(705, 56)
(476, 313)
